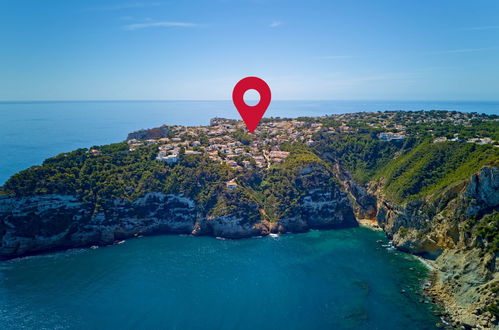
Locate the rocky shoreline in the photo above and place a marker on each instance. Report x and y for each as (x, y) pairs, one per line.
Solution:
(45, 223)
(464, 276)
(462, 289)
(452, 315)
(34, 224)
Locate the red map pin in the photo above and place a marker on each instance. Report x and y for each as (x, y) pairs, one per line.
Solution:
(251, 114)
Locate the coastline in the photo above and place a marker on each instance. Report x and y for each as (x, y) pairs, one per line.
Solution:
(427, 263)
(232, 204)
(301, 262)
(427, 289)
(369, 223)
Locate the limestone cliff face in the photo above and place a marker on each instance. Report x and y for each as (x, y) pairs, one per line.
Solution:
(241, 218)
(46, 222)
(482, 193)
(466, 282)
(322, 205)
(39, 222)
(465, 279)
(363, 202)
(438, 227)
(434, 223)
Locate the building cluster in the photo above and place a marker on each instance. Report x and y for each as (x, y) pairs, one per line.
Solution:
(228, 141)
(396, 123)
(389, 136)
(399, 120)
(485, 140)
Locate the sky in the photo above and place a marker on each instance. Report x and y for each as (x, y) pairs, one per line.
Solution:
(198, 50)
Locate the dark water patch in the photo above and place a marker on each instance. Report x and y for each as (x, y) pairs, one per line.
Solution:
(338, 279)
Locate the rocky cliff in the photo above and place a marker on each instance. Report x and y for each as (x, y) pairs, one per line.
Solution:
(151, 133)
(455, 228)
(321, 204)
(66, 203)
(47, 222)
(33, 224)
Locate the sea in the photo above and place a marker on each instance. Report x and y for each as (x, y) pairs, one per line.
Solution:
(33, 131)
(338, 279)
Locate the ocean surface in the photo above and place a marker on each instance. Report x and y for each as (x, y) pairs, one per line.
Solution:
(341, 279)
(33, 131)
(338, 279)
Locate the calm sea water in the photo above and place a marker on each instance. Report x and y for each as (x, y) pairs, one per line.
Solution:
(340, 279)
(319, 280)
(31, 132)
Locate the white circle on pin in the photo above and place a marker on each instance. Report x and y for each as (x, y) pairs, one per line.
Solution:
(251, 97)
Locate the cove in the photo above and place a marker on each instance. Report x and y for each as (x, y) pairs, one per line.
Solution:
(336, 279)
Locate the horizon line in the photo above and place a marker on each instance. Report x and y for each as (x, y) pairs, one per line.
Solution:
(229, 100)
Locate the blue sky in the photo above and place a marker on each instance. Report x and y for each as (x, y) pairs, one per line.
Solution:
(159, 50)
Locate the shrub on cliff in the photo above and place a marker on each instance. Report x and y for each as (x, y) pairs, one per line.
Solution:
(117, 172)
(432, 166)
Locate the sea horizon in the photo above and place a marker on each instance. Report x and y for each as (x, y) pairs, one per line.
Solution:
(229, 100)
(33, 131)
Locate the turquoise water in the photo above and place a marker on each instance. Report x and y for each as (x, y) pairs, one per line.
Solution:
(339, 279)
(33, 131)
(319, 280)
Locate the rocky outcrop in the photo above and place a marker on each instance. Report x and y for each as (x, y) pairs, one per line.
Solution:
(231, 226)
(363, 203)
(151, 133)
(439, 227)
(466, 282)
(324, 205)
(46, 222)
(433, 224)
(319, 210)
(482, 193)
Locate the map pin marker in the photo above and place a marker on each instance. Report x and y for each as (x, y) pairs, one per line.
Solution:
(251, 114)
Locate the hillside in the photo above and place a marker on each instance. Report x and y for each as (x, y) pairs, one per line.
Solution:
(429, 179)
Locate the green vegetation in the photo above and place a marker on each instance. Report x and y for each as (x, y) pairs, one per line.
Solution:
(413, 167)
(408, 168)
(236, 202)
(243, 137)
(487, 232)
(493, 309)
(432, 166)
(477, 128)
(403, 232)
(362, 154)
(283, 185)
(119, 173)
